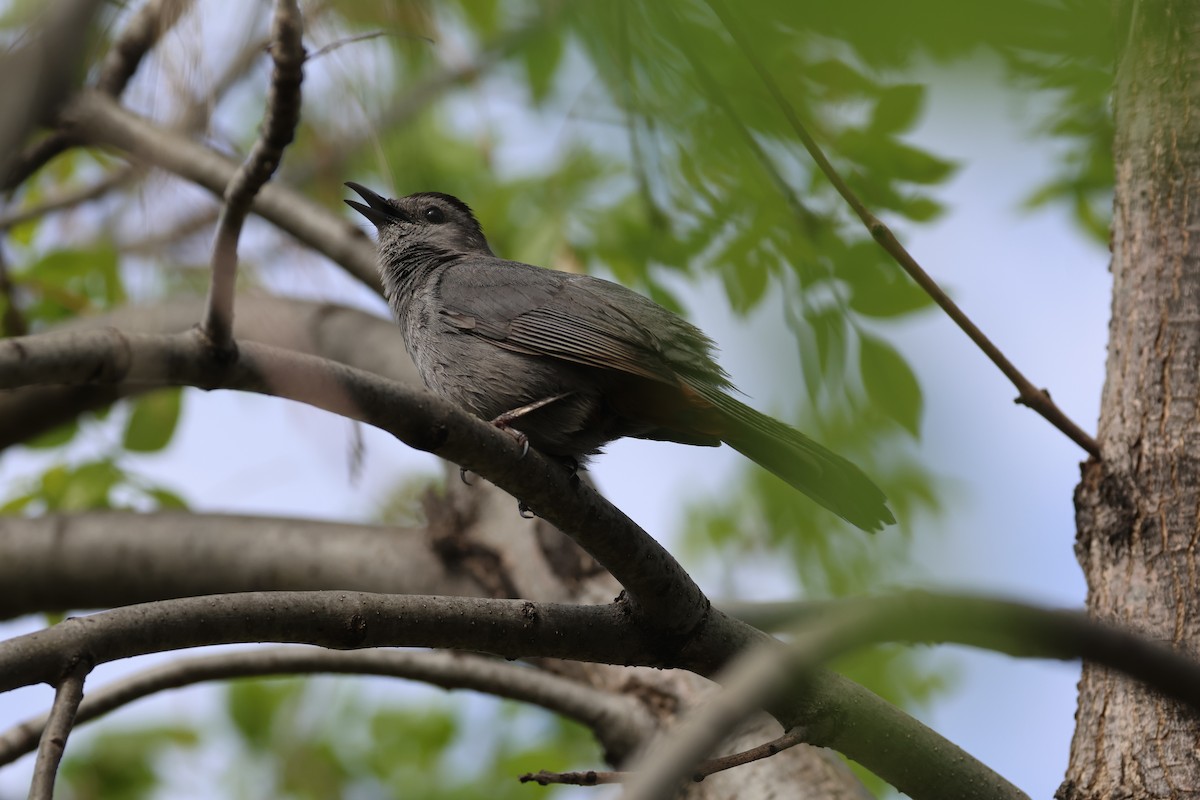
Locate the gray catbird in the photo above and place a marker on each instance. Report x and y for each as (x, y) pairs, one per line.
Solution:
(572, 361)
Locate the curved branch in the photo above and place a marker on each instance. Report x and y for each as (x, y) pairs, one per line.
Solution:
(331, 331)
(619, 722)
(1028, 395)
(106, 559)
(278, 129)
(99, 120)
(337, 620)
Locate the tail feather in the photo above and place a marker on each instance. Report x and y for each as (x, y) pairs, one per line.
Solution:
(818, 472)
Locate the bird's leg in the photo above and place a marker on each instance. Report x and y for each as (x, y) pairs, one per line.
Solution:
(505, 420)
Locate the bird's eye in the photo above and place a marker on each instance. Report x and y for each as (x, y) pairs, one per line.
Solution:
(435, 215)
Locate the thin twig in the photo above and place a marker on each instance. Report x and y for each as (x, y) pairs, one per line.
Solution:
(1027, 394)
(278, 129)
(58, 727)
(708, 767)
(71, 198)
(12, 323)
(589, 777)
(722, 763)
(148, 25)
(362, 37)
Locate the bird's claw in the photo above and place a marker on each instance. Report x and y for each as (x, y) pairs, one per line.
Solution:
(524, 511)
(523, 440)
(462, 475)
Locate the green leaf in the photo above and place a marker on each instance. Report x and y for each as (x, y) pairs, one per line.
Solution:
(890, 382)
(153, 421)
(89, 485)
(166, 499)
(541, 58)
(911, 164)
(898, 108)
(55, 437)
(66, 282)
(839, 78)
(255, 705)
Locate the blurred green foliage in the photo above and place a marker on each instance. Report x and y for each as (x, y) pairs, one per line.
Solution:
(120, 765)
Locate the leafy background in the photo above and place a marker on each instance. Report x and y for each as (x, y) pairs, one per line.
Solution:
(634, 141)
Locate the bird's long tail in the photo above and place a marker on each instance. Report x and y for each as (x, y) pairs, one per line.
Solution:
(818, 472)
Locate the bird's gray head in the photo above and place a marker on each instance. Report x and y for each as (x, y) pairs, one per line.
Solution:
(426, 223)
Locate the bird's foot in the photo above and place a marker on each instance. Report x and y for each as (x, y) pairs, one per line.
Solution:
(524, 511)
(463, 472)
(504, 423)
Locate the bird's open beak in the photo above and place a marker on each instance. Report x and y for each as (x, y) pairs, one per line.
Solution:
(378, 209)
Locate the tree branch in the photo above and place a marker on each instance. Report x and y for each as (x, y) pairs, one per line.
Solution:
(618, 722)
(1028, 395)
(70, 198)
(106, 559)
(334, 332)
(337, 620)
(57, 729)
(708, 767)
(99, 120)
(278, 129)
(148, 25)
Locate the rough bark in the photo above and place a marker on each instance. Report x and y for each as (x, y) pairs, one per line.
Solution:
(1139, 508)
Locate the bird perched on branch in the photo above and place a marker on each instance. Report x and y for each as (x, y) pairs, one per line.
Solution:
(571, 362)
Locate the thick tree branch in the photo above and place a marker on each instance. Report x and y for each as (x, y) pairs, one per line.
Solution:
(278, 129)
(99, 120)
(106, 559)
(331, 331)
(619, 722)
(1028, 394)
(58, 727)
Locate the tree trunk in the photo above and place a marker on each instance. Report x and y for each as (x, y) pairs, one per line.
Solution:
(1138, 522)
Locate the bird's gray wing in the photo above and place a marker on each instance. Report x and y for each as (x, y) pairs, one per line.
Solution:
(576, 318)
